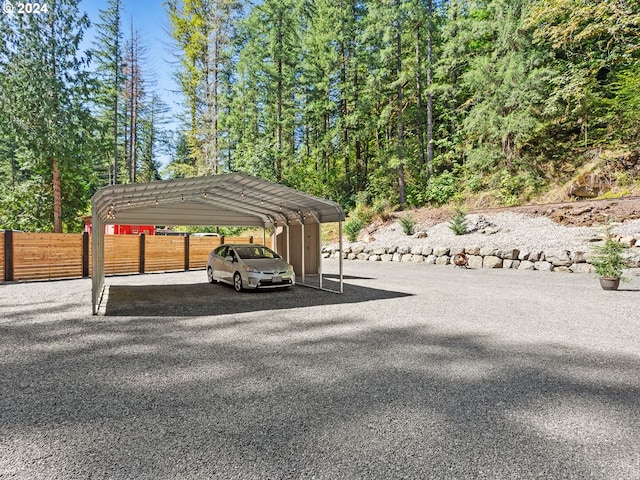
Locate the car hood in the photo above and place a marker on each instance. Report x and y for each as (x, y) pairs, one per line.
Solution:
(268, 265)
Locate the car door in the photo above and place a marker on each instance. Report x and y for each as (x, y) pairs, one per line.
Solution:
(228, 266)
(219, 267)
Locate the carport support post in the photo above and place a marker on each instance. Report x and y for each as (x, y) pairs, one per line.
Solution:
(8, 255)
(340, 251)
(186, 253)
(320, 247)
(303, 259)
(288, 242)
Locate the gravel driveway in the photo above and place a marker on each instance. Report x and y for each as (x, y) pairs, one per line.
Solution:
(416, 372)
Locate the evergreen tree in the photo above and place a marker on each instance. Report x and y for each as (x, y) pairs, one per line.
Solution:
(109, 67)
(43, 94)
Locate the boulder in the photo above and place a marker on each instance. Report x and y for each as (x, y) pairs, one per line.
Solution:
(511, 254)
(417, 258)
(526, 265)
(406, 257)
(431, 260)
(543, 266)
(558, 258)
(442, 260)
(426, 251)
(535, 256)
(455, 251)
(489, 252)
(581, 268)
(386, 257)
(628, 241)
(561, 269)
(374, 258)
(416, 250)
(474, 261)
(578, 257)
(472, 250)
(440, 251)
(420, 234)
(492, 261)
(397, 257)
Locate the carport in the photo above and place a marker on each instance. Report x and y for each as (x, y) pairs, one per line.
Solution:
(230, 200)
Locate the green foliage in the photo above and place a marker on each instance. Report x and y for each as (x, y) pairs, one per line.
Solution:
(458, 223)
(330, 98)
(408, 224)
(441, 189)
(352, 228)
(607, 259)
(382, 208)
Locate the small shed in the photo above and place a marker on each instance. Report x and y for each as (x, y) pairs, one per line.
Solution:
(233, 199)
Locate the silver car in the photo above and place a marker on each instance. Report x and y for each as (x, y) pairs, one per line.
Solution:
(249, 266)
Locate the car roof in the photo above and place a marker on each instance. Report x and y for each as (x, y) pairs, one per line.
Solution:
(243, 245)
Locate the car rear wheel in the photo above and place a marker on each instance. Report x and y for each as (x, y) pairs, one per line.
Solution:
(210, 275)
(237, 282)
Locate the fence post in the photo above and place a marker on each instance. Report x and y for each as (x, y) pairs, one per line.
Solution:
(8, 255)
(251, 239)
(142, 259)
(222, 240)
(186, 253)
(85, 255)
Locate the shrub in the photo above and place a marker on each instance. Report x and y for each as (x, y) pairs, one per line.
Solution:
(408, 224)
(352, 228)
(458, 223)
(607, 259)
(382, 208)
(440, 189)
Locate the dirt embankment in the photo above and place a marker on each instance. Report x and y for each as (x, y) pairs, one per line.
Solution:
(578, 213)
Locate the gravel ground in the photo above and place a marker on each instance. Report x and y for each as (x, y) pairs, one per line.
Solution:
(417, 371)
(514, 231)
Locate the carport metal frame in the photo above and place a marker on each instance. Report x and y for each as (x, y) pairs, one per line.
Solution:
(231, 200)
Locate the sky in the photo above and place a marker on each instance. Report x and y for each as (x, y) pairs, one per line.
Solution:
(150, 19)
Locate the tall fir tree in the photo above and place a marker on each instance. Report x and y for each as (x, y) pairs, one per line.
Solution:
(43, 95)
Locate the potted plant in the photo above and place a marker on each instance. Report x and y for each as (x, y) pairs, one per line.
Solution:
(608, 262)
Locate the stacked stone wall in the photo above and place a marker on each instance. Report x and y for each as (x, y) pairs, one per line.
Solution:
(480, 257)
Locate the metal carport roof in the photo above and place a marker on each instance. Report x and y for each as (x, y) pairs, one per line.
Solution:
(233, 199)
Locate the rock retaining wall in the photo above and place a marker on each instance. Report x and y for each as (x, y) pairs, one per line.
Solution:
(479, 257)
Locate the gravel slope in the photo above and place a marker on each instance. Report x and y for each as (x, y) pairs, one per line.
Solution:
(512, 231)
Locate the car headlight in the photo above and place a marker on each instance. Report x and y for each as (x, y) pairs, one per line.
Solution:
(290, 268)
(250, 269)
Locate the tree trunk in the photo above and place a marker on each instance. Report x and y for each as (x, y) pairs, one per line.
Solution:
(400, 124)
(419, 105)
(279, 94)
(429, 94)
(57, 197)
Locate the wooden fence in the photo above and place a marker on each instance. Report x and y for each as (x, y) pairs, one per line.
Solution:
(47, 256)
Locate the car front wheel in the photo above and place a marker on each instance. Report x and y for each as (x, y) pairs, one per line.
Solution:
(210, 275)
(237, 282)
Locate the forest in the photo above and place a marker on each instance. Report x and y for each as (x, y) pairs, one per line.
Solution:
(402, 103)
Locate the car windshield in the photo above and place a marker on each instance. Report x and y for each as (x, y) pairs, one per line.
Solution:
(255, 252)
